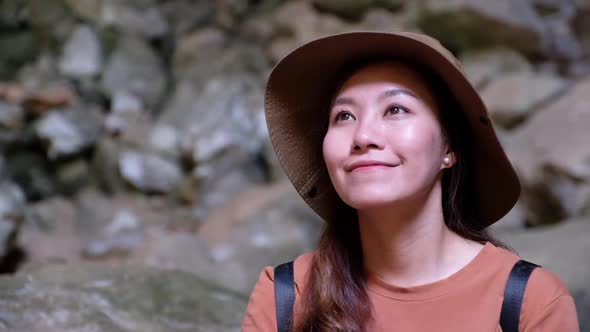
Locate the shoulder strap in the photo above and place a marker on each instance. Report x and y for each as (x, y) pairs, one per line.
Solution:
(513, 295)
(284, 296)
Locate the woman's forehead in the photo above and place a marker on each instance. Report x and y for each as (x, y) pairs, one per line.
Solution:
(385, 75)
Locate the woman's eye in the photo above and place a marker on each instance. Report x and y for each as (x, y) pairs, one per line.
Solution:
(395, 110)
(343, 116)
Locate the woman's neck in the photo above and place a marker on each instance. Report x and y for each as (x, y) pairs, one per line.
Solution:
(411, 245)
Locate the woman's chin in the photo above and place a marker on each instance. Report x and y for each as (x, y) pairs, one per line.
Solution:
(369, 203)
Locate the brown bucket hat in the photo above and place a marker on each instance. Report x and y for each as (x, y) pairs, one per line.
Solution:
(297, 98)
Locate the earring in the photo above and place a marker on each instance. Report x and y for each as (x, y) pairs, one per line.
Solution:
(446, 161)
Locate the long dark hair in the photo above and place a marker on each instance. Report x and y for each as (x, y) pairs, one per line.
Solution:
(336, 298)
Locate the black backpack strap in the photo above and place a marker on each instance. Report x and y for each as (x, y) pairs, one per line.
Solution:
(284, 296)
(513, 295)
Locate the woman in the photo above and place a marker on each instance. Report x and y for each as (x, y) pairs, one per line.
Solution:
(384, 137)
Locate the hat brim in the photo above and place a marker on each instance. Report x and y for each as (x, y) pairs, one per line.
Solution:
(297, 99)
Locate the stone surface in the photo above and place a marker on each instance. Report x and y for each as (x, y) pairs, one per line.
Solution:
(483, 66)
(11, 115)
(69, 131)
(135, 17)
(32, 173)
(12, 205)
(128, 299)
(191, 58)
(82, 54)
(148, 172)
(226, 113)
(512, 98)
(562, 249)
(262, 226)
(49, 234)
(165, 140)
(105, 227)
(550, 153)
(350, 9)
(135, 68)
(466, 24)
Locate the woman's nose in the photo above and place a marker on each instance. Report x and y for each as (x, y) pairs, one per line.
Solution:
(367, 136)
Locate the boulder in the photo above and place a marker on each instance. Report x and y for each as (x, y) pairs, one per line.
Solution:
(483, 66)
(513, 97)
(69, 131)
(263, 226)
(149, 172)
(48, 233)
(134, 67)
(562, 249)
(82, 54)
(12, 207)
(133, 17)
(348, 9)
(550, 153)
(472, 24)
(84, 297)
(11, 115)
(107, 227)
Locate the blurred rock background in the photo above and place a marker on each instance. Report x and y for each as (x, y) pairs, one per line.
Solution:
(138, 188)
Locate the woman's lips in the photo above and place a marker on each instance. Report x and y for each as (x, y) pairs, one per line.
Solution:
(368, 168)
(368, 165)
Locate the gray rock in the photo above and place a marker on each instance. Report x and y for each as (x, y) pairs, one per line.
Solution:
(271, 225)
(297, 22)
(18, 48)
(193, 54)
(12, 205)
(32, 172)
(11, 115)
(82, 53)
(47, 14)
(131, 128)
(72, 176)
(562, 249)
(563, 43)
(349, 9)
(581, 24)
(84, 297)
(48, 233)
(391, 5)
(515, 220)
(513, 97)
(123, 101)
(68, 132)
(165, 140)
(106, 228)
(263, 226)
(226, 114)
(467, 24)
(134, 17)
(483, 66)
(149, 172)
(184, 16)
(223, 178)
(135, 68)
(301, 23)
(87, 9)
(550, 153)
(105, 166)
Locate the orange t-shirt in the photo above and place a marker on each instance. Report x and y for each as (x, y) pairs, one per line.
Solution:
(469, 300)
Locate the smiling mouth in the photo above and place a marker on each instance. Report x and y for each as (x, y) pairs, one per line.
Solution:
(373, 167)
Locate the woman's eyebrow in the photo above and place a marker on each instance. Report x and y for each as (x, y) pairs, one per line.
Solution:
(396, 92)
(383, 95)
(343, 101)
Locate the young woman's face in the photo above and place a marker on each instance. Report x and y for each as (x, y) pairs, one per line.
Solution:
(384, 143)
